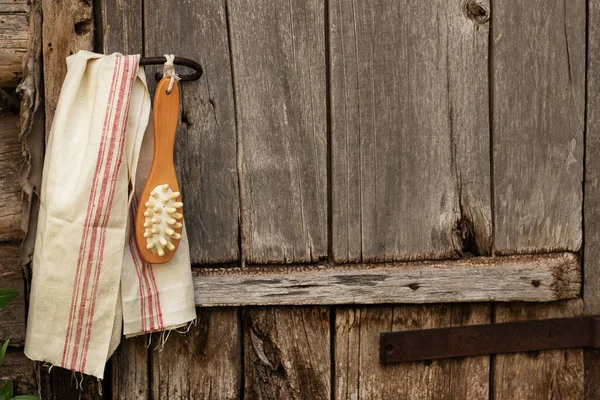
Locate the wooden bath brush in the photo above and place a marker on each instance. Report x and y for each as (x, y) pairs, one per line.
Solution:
(159, 219)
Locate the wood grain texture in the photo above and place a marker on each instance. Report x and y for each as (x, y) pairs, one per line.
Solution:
(14, 32)
(21, 370)
(407, 130)
(538, 107)
(287, 353)
(205, 363)
(12, 320)
(278, 54)
(553, 374)
(205, 149)
(12, 160)
(63, 384)
(129, 372)
(521, 278)
(359, 375)
(14, 6)
(591, 249)
(68, 26)
(120, 27)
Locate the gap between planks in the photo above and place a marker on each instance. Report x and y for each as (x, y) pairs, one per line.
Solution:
(531, 278)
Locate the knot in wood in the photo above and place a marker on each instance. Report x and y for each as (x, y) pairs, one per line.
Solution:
(476, 12)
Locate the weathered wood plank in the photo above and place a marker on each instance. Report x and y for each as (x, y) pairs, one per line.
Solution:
(121, 26)
(468, 76)
(204, 363)
(205, 153)
(21, 370)
(13, 46)
(519, 278)
(538, 108)
(359, 375)
(278, 52)
(129, 371)
(287, 353)
(11, 162)
(554, 374)
(64, 384)
(12, 320)
(14, 6)
(408, 129)
(68, 26)
(591, 249)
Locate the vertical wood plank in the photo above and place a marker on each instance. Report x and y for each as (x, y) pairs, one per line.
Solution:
(538, 90)
(130, 369)
(287, 353)
(279, 76)
(591, 249)
(121, 26)
(359, 375)
(205, 148)
(68, 26)
(410, 140)
(554, 374)
(204, 363)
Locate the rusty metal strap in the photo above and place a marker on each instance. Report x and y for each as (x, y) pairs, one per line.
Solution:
(476, 340)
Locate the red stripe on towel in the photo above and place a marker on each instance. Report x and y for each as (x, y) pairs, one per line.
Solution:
(91, 203)
(120, 127)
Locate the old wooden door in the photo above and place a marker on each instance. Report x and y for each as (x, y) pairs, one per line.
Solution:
(334, 145)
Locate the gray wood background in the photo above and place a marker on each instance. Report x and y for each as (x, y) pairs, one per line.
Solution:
(352, 132)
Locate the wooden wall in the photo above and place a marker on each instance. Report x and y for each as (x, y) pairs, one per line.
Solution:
(360, 132)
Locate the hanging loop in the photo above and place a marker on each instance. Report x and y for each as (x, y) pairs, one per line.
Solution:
(186, 62)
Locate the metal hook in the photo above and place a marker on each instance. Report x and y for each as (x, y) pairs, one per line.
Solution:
(178, 61)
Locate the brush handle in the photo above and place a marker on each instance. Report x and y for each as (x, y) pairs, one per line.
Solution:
(162, 170)
(166, 115)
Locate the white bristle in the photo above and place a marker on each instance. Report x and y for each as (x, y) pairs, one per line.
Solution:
(160, 228)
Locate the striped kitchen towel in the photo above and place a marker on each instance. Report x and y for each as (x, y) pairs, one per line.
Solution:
(89, 283)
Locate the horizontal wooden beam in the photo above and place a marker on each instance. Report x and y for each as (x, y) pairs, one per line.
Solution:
(14, 33)
(532, 278)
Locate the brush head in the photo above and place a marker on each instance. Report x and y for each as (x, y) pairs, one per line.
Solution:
(163, 216)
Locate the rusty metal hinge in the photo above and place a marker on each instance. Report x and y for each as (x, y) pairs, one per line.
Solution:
(477, 340)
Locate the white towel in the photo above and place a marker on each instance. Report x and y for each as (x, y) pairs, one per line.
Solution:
(88, 278)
